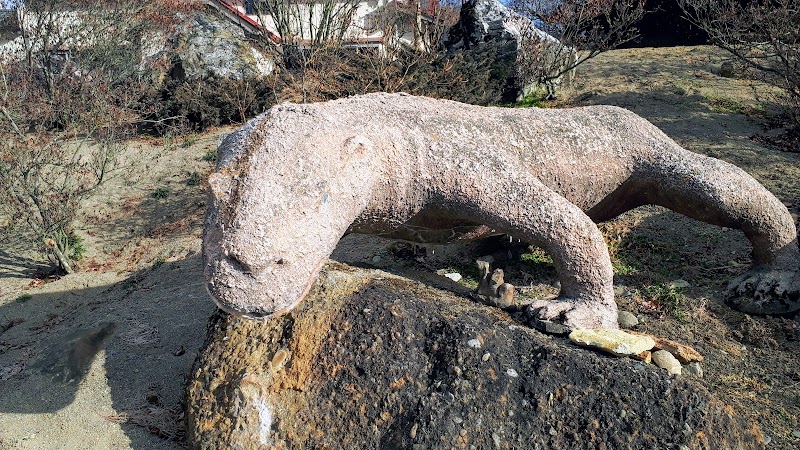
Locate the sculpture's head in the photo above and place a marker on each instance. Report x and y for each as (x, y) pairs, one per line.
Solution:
(277, 211)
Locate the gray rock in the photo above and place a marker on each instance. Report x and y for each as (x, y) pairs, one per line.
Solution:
(205, 45)
(693, 369)
(627, 319)
(549, 327)
(666, 360)
(488, 29)
(726, 69)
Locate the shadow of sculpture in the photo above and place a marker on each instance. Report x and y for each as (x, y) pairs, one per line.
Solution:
(145, 329)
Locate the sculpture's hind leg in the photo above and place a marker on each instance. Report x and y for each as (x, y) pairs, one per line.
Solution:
(720, 193)
(520, 205)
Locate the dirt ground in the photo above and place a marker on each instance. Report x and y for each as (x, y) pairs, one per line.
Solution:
(97, 359)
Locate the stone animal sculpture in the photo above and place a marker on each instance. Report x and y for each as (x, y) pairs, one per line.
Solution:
(296, 179)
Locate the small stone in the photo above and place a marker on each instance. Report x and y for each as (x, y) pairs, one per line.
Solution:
(496, 440)
(474, 343)
(457, 419)
(726, 69)
(512, 373)
(627, 319)
(486, 356)
(376, 259)
(413, 433)
(683, 352)
(678, 284)
(552, 431)
(454, 276)
(666, 360)
(546, 326)
(616, 342)
(557, 284)
(694, 369)
(767, 439)
(796, 433)
(619, 290)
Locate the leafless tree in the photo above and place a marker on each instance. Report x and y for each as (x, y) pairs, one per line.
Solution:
(763, 34)
(576, 31)
(70, 88)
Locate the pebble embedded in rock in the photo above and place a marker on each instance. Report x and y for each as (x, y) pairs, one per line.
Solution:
(666, 360)
(627, 319)
(616, 342)
(376, 259)
(512, 373)
(474, 343)
(694, 369)
(486, 356)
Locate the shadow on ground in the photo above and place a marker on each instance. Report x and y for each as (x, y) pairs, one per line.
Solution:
(150, 327)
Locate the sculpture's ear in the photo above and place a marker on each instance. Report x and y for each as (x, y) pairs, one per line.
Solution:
(220, 184)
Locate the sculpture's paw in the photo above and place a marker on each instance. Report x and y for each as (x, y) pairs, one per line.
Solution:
(764, 291)
(572, 313)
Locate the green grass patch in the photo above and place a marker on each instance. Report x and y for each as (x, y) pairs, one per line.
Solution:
(730, 106)
(470, 276)
(160, 193)
(537, 257)
(620, 268)
(194, 179)
(210, 156)
(671, 299)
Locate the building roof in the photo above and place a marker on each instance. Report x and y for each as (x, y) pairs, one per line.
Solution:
(244, 20)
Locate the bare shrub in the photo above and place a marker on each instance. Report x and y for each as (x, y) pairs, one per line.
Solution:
(582, 30)
(762, 34)
(71, 87)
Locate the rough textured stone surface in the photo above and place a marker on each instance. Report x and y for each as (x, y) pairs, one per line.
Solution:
(616, 342)
(487, 29)
(373, 361)
(666, 360)
(296, 179)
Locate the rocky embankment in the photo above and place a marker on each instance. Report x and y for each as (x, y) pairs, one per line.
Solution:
(370, 360)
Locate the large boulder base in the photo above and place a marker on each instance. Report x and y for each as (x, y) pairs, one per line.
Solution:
(370, 360)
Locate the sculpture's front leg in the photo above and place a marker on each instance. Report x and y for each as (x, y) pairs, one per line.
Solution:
(520, 205)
